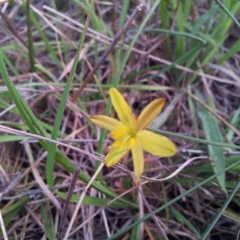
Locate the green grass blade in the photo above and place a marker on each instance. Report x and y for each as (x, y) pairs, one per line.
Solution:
(234, 216)
(124, 12)
(183, 220)
(220, 213)
(95, 201)
(191, 36)
(10, 64)
(233, 50)
(235, 121)
(11, 211)
(221, 5)
(193, 114)
(163, 9)
(30, 38)
(136, 231)
(60, 111)
(47, 222)
(56, 127)
(12, 138)
(213, 133)
(180, 43)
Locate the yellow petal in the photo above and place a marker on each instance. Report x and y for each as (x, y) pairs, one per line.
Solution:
(149, 113)
(115, 155)
(156, 144)
(123, 110)
(108, 123)
(138, 161)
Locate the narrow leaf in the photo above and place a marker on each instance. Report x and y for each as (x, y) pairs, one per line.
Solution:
(213, 134)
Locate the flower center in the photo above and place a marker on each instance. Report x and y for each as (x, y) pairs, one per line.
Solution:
(119, 133)
(123, 135)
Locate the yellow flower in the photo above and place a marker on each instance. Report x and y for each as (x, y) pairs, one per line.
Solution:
(129, 133)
